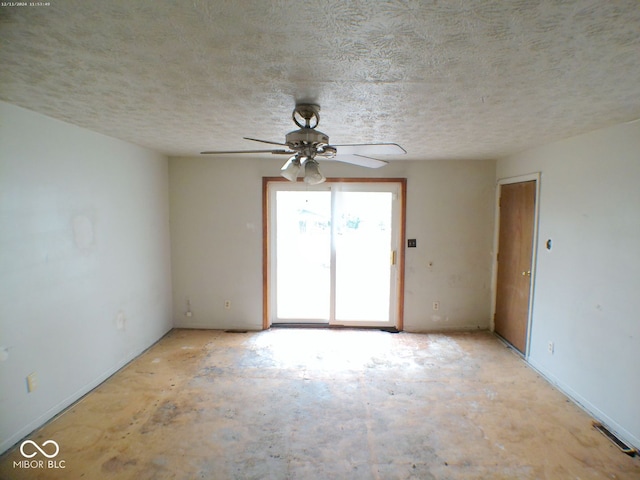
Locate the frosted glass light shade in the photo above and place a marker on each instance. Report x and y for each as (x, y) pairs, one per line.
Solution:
(312, 174)
(290, 169)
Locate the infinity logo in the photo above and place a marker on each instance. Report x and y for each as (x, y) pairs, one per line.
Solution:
(39, 449)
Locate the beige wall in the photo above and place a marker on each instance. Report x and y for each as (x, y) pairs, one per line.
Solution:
(216, 234)
(586, 287)
(84, 239)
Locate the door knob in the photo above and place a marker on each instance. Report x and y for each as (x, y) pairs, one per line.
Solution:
(527, 273)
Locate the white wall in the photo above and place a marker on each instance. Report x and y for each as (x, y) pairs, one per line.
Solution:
(587, 287)
(84, 237)
(216, 234)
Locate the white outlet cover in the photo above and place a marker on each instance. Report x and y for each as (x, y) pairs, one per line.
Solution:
(32, 382)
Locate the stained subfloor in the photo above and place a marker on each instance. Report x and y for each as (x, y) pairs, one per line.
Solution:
(326, 404)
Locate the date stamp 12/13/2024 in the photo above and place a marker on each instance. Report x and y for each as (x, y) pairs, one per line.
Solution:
(24, 4)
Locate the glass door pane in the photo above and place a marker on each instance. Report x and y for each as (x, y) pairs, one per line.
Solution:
(363, 257)
(331, 253)
(303, 256)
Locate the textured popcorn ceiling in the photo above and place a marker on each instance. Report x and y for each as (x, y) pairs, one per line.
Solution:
(445, 79)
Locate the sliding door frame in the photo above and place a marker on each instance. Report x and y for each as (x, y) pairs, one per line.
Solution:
(266, 243)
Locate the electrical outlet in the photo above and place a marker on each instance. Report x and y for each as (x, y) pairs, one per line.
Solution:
(436, 306)
(227, 304)
(32, 382)
(550, 347)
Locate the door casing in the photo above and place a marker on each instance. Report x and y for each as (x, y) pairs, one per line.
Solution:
(266, 242)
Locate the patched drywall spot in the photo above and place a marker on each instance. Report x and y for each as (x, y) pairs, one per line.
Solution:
(83, 232)
(120, 320)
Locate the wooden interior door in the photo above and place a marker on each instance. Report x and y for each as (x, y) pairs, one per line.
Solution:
(515, 249)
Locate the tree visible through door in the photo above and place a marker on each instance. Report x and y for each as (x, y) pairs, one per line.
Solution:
(515, 248)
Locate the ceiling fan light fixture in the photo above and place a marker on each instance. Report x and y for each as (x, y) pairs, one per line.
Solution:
(291, 168)
(312, 174)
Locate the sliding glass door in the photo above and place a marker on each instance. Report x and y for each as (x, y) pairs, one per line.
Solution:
(364, 251)
(333, 251)
(302, 256)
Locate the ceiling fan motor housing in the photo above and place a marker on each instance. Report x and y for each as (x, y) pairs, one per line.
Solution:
(306, 136)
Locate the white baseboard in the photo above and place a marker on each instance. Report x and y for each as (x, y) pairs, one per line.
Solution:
(73, 398)
(588, 407)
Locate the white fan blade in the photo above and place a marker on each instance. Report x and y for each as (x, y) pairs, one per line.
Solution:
(359, 160)
(265, 141)
(275, 152)
(370, 149)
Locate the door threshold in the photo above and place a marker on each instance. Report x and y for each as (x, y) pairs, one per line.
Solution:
(333, 327)
(300, 325)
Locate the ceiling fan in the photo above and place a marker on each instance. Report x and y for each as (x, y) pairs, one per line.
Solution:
(306, 145)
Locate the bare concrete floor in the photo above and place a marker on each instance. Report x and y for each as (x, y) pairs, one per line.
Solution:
(326, 404)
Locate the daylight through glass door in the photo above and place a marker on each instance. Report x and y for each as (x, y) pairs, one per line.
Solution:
(333, 253)
(303, 256)
(363, 249)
